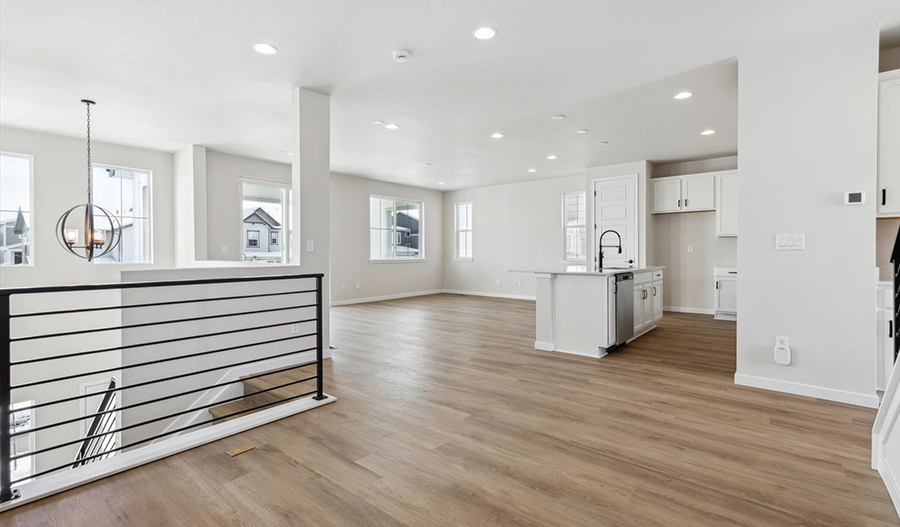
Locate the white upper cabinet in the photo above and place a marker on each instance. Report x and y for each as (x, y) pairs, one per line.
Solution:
(683, 193)
(666, 193)
(698, 192)
(727, 204)
(888, 197)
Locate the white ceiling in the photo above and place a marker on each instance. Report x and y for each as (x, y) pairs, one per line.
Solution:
(167, 73)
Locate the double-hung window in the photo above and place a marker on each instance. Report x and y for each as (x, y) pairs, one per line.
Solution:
(395, 229)
(463, 231)
(16, 234)
(574, 216)
(125, 193)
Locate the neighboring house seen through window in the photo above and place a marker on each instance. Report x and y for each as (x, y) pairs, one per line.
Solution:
(395, 229)
(16, 236)
(574, 226)
(125, 193)
(464, 231)
(266, 210)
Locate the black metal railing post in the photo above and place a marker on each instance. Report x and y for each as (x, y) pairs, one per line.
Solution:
(6, 492)
(319, 395)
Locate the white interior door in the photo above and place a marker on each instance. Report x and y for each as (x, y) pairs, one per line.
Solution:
(616, 208)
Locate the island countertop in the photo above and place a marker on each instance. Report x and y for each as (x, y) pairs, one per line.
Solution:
(583, 270)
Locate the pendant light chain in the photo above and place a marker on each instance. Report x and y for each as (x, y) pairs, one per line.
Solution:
(90, 191)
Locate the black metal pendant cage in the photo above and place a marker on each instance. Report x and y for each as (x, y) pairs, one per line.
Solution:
(91, 241)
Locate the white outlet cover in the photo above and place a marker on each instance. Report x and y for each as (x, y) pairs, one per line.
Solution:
(498, 281)
(782, 341)
(224, 249)
(295, 328)
(690, 248)
(310, 246)
(343, 287)
(357, 285)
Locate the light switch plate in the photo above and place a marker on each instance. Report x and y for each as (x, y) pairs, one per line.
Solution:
(790, 242)
(310, 246)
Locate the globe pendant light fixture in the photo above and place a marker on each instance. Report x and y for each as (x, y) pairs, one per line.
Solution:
(100, 231)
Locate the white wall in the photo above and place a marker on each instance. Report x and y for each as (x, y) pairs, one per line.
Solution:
(689, 284)
(516, 226)
(350, 243)
(223, 192)
(60, 182)
(807, 114)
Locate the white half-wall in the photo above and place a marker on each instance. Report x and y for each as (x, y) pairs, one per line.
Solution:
(350, 263)
(515, 226)
(807, 114)
(689, 286)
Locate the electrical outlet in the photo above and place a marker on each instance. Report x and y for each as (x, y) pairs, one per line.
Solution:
(782, 341)
(357, 285)
(295, 328)
(343, 287)
(690, 248)
(310, 246)
(517, 282)
(224, 249)
(433, 279)
(498, 281)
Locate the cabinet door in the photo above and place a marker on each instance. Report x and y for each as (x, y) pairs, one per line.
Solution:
(648, 304)
(657, 300)
(698, 193)
(727, 205)
(889, 144)
(666, 194)
(726, 296)
(638, 308)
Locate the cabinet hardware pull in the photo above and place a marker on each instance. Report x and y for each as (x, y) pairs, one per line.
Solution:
(732, 272)
(685, 202)
(654, 291)
(891, 328)
(717, 284)
(883, 196)
(679, 204)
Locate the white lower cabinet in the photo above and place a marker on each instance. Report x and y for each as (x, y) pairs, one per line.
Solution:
(648, 300)
(726, 292)
(884, 348)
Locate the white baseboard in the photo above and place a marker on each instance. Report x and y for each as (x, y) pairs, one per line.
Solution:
(492, 295)
(65, 480)
(386, 297)
(892, 484)
(694, 310)
(543, 346)
(829, 394)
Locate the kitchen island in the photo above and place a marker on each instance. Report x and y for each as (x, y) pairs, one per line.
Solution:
(577, 308)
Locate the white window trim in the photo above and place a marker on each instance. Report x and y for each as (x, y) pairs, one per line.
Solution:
(150, 215)
(571, 261)
(421, 257)
(456, 231)
(286, 228)
(33, 217)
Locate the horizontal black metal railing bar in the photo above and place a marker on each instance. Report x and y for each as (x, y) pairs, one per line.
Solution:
(156, 304)
(152, 343)
(158, 399)
(160, 361)
(163, 283)
(157, 323)
(164, 434)
(150, 421)
(165, 379)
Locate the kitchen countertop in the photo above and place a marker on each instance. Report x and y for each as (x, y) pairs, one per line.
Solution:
(583, 270)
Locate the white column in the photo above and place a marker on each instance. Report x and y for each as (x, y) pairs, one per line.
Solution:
(191, 242)
(311, 171)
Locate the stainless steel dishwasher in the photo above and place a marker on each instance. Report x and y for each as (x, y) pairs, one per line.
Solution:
(624, 308)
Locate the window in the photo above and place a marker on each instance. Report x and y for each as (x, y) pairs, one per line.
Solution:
(252, 238)
(15, 209)
(463, 231)
(395, 229)
(125, 193)
(574, 226)
(265, 214)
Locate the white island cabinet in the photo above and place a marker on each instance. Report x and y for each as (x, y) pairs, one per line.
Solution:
(576, 308)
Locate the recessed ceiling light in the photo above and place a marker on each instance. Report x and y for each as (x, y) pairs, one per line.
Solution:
(551, 157)
(707, 132)
(484, 33)
(496, 135)
(682, 95)
(392, 126)
(265, 49)
(558, 117)
(440, 182)
(603, 143)
(582, 131)
(532, 170)
(378, 122)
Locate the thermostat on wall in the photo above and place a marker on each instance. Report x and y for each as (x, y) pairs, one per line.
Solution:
(855, 197)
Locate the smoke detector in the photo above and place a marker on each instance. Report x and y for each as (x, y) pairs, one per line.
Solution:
(401, 55)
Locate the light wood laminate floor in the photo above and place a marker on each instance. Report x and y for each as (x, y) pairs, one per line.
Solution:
(448, 416)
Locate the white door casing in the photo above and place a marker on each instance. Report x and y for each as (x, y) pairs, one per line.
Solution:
(616, 208)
